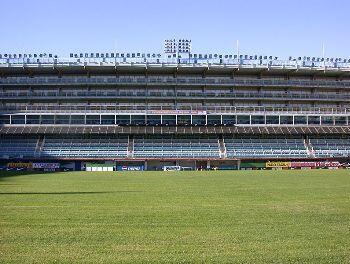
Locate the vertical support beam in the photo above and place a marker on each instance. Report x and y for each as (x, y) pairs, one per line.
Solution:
(146, 165)
(238, 164)
(208, 164)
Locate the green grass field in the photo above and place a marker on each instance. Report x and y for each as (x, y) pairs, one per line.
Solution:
(177, 217)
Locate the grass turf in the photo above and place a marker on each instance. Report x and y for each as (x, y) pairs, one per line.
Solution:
(134, 217)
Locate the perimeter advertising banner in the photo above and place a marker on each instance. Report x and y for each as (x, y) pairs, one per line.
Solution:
(315, 164)
(27, 165)
(175, 112)
(44, 165)
(130, 168)
(278, 164)
(30, 165)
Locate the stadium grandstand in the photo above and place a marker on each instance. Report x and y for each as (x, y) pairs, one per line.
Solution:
(179, 108)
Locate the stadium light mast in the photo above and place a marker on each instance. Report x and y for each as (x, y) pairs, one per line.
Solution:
(237, 48)
(323, 56)
(178, 47)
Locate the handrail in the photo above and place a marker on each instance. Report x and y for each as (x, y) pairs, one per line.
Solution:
(172, 81)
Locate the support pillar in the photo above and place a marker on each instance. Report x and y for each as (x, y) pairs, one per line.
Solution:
(208, 164)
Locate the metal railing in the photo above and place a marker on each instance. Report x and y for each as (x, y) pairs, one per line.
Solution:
(170, 95)
(180, 109)
(227, 60)
(171, 81)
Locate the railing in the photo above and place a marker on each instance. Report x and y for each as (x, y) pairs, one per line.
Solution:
(243, 61)
(171, 81)
(164, 110)
(182, 95)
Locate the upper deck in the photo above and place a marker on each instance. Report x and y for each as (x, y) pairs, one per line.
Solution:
(141, 63)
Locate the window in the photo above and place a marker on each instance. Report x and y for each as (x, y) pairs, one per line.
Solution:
(340, 120)
(47, 119)
(272, 120)
(138, 120)
(214, 120)
(257, 120)
(243, 119)
(4, 119)
(153, 120)
(183, 119)
(18, 119)
(169, 120)
(313, 120)
(123, 120)
(62, 119)
(198, 120)
(77, 119)
(92, 119)
(228, 119)
(107, 119)
(300, 120)
(33, 119)
(327, 120)
(286, 120)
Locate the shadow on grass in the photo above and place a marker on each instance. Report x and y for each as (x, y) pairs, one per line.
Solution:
(9, 174)
(64, 193)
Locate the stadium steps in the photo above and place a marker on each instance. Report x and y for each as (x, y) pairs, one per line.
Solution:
(309, 147)
(222, 147)
(39, 145)
(130, 151)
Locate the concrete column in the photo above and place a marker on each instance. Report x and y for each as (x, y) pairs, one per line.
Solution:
(238, 164)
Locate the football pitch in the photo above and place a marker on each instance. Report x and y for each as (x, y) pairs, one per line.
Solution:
(175, 217)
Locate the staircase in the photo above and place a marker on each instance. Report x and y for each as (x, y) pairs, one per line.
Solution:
(39, 145)
(309, 148)
(130, 150)
(222, 147)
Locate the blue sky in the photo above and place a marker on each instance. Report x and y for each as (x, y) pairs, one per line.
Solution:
(269, 27)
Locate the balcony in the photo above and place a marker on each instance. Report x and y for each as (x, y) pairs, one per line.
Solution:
(168, 81)
(171, 96)
(172, 110)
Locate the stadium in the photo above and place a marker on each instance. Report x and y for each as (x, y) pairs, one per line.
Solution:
(90, 145)
(147, 111)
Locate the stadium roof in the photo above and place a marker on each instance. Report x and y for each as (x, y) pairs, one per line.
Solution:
(137, 63)
(98, 129)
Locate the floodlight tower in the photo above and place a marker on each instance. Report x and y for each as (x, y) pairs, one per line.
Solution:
(178, 47)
